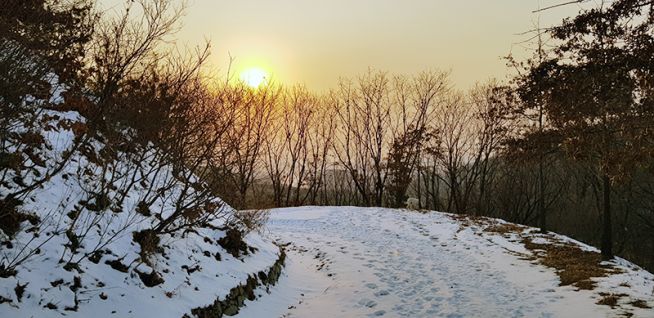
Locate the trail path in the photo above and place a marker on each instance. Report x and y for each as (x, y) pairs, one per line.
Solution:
(355, 262)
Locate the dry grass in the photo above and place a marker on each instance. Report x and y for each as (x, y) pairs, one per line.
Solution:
(610, 300)
(253, 220)
(467, 221)
(505, 228)
(640, 304)
(573, 265)
(586, 284)
(479, 220)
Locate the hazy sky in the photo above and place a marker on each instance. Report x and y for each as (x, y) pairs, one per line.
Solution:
(316, 41)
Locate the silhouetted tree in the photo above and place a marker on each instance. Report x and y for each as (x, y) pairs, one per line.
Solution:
(598, 92)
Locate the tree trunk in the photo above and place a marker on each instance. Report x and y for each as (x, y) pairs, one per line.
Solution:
(541, 164)
(541, 197)
(418, 191)
(607, 240)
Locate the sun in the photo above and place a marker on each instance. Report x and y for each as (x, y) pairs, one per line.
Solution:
(254, 77)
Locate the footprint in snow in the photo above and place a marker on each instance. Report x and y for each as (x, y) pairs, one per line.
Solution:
(382, 293)
(368, 303)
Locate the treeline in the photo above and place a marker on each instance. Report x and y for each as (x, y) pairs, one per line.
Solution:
(379, 139)
(374, 141)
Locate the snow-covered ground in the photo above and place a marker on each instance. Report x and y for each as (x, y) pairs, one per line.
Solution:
(342, 261)
(195, 269)
(370, 262)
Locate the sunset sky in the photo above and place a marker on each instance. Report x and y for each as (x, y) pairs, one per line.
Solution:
(314, 42)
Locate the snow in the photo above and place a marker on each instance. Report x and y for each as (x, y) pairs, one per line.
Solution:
(341, 261)
(104, 291)
(373, 262)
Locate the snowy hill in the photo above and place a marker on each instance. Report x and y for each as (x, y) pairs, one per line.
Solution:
(370, 262)
(73, 249)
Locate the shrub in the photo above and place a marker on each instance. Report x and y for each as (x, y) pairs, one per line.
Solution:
(11, 218)
(233, 242)
(252, 220)
(149, 242)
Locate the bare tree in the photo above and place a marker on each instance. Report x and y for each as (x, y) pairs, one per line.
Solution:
(415, 101)
(127, 44)
(246, 136)
(298, 148)
(364, 134)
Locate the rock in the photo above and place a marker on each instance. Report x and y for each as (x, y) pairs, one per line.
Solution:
(117, 265)
(150, 279)
(263, 277)
(237, 295)
(231, 310)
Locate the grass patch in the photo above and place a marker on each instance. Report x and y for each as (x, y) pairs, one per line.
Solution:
(505, 228)
(573, 265)
(467, 221)
(470, 219)
(639, 303)
(610, 300)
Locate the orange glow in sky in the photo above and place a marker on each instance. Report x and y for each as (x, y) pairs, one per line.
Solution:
(314, 42)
